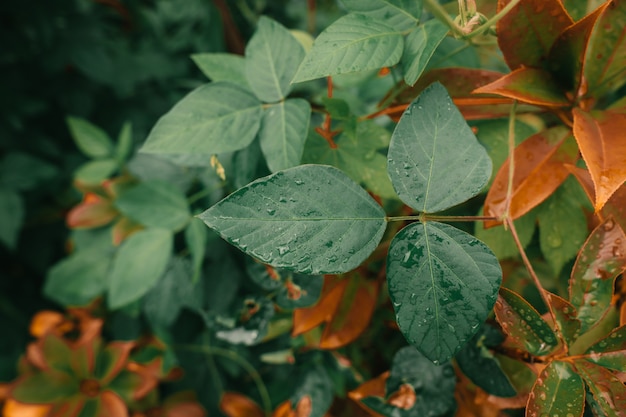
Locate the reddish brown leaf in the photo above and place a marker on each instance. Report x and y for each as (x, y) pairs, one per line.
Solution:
(539, 169)
(234, 404)
(346, 306)
(584, 179)
(566, 55)
(608, 391)
(616, 207)
(304, 407)
(528, 85)
(372, 388)
(94, 211)
(600, 137)
(604, 68)
(44, 322)
(567, 323)
(404, 398)
(527, 32)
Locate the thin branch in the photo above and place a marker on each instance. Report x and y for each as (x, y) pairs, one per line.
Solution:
(509, 189)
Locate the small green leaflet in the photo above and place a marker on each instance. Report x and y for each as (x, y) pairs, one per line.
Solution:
(354, 42)
(311, 219)
(11, 216)
(155, 204)
(434, 160)
(443, 283)
(399, 14)
(90, 139)
(419, 47)
(610, 351)
(214, 118)
(283, 132)
(272, 59)
(139, 263)
(220, 66)
(559, 390)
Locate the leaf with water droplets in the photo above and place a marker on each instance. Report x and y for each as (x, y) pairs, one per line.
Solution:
(400, 14)
(443, 283)
(600, 138)
(434, 160)
(524, 324)
(311, 219)
(600, 260)
(419, 48)
(558, 391)
(608, 391)
(610, 351)
(566, 320)
(354, 42)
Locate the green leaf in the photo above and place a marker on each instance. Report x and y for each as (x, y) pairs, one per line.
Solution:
(608, 391)
(96, 171)
(600, 260)
(562, 224)
(283, 132)
(78, 279)
(220, 66)
(11, 216)
(357, 154)
(480, 365)
(22, 171)
(434, 159)
(45, 387)
(433, 386)
(337, 108)
(566, 320)
(311, 219)
(246, 164)
(501, 240)
(399, 14)
(605, 59)
(559, 390)
(196, 235)
(354, 42)
(138, 265)
(317, 386)
(419, 47)
(524, 324)
(90, 139)
(171, 293)
(443, 283)
(155, 204)
(124, 145)
(215, 118)
(610, 351)
(272, 59)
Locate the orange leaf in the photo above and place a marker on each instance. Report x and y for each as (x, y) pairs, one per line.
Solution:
(304, 407)
(44, 322)
(527, 32)
(404, 398)
(372, 388)
(305, 319)
(600, 137)
(112, 405)
(13, 408)
(94, 211)
(234, 404)
(528, 85)
(284, 410)
(539, 170)
(123, 228)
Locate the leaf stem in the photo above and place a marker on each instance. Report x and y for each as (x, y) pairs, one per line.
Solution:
(440, 13)
(492, 21)
(247, 366)
(509, 187)
(310, 17)
(430, 217)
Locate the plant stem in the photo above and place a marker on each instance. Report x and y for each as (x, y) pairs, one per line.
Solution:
(247, 366)
(310, 17)
(509, 189)
(490, 22)
(440, 13)
(428, 217)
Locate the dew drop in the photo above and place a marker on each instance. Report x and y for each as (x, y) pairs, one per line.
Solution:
(282, 250)
(271, 211)
(299, 182)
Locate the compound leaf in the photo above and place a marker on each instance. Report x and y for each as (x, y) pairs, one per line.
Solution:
(272, 58)
(355, 42)
(434, 159)
(311, 219)
(214, 118)
(443, 283)
(283, 132)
